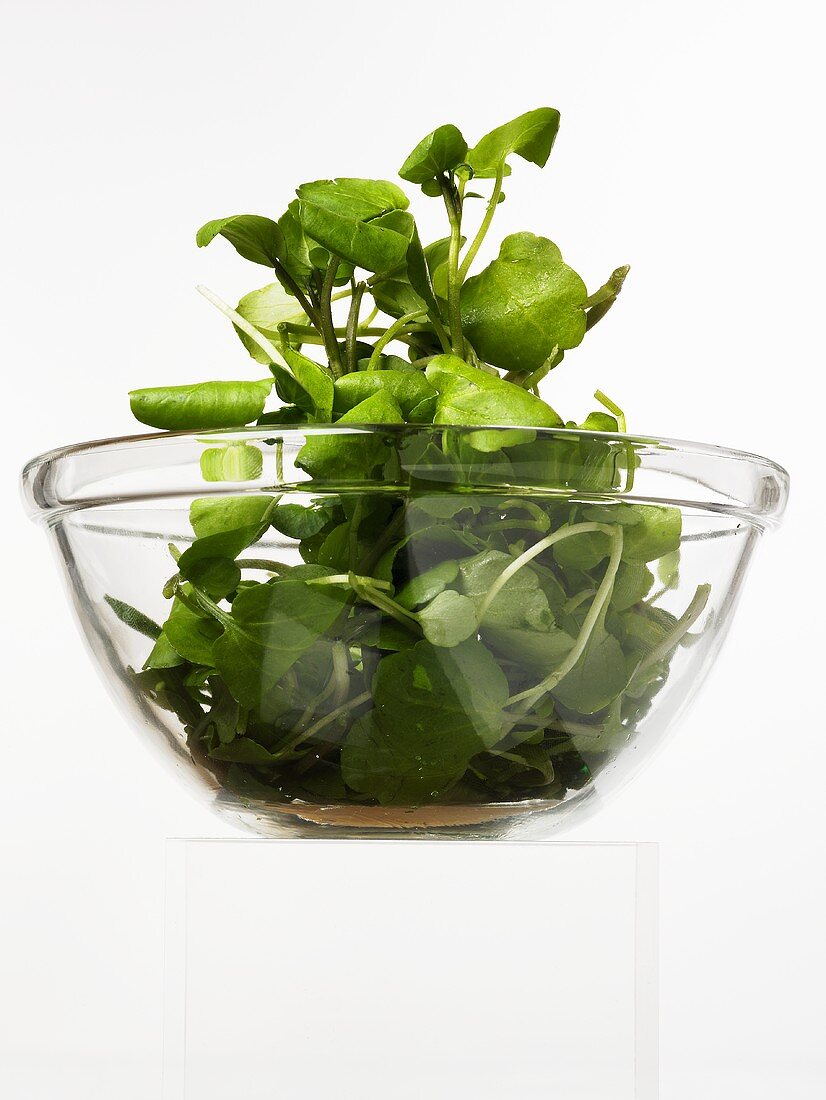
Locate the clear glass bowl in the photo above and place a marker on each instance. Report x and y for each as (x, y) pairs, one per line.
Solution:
(496, 628)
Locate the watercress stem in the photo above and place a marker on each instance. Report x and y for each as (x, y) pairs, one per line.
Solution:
(349, 704)
(680, 628)
(598, 304)
(241, 322)
(352, 326)
(595, 611)
(490, 210)
(392, 333)
(613, 408)
(285, 277)
(454, 214)
(326, 316)
(534, 551)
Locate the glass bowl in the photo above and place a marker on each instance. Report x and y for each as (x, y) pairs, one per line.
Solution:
(403, 630)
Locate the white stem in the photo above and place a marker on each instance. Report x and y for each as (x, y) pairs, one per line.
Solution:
(682, 626)
(594, 611)
(350, 704)
(241, 322)
(534, 551)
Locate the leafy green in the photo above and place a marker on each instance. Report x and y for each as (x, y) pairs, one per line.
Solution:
(347, 457)
(270, 627)
(314, 381)
(134, 618)
(411, 391)
(434, 709)
(524, 305)
(448, 619)
(255, 238)
(267, 309)
(596, 679)
(457, 606)
(225, 526)
(191, 633)
(200, 406)
(468, 395)
(232, 462)
(440, 151)
(348, 217)
(530, 136)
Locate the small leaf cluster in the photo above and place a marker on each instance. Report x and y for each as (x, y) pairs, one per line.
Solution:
(356, 292)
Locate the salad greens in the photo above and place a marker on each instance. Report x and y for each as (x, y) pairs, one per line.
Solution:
(456, 607)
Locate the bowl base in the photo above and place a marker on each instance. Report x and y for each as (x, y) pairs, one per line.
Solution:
(468, 821)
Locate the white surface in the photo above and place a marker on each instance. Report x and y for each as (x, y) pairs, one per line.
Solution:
(404, 970)
(691, 148)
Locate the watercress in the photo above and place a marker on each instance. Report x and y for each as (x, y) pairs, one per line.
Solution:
(411, 628)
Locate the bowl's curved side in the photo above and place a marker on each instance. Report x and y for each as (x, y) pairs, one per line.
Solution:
(122, 550)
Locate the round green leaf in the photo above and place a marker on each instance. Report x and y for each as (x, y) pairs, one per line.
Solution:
(440, 151)
(524, 304)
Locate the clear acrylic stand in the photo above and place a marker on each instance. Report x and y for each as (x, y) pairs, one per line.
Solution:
(302, 970)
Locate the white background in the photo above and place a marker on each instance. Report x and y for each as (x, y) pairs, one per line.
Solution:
(691, 148)
(395, 995)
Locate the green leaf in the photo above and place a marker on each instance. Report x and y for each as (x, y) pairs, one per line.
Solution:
(530, 136)
(235, 462)
(217, 576)
(227, 515)
(384, 633)
(418, 272)
(524, 304)
(435, 709)
(190, 633)
(225, 526)
(657, 534)
(537, 651)
(315, 381)
(583, 551)
(134, 618)
(632, 583)
(650, 531)
(409, 287)
(288, 414)
(468, 395)
(200, 406)
(357, 220)
(243, 750)
(271, 626)
(409, 389)
(425, 586)
(435, 154)
(358, 199)
(600, 422)
(520, 602)
(297, 247)
(298, 521)
(448, 619)
(395, 296)
(163, 655)
(266, 309)
(224, 713)
(598, 677)
(345, 457)
(212, 463)
(252, 236)
(242, 462)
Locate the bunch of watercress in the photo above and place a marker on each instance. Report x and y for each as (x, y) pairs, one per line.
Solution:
(454, 639)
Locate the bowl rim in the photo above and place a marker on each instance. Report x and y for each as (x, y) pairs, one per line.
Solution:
(765, 512)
